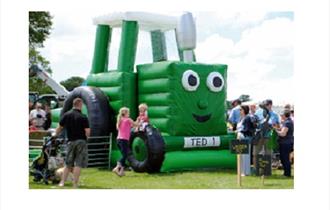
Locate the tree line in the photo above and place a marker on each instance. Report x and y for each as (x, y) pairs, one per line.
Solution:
(40, 27)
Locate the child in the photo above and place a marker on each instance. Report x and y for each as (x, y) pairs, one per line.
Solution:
(142, 120)
(33, 126)
(124, 125)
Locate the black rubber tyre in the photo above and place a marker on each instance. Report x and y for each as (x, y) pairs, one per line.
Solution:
(99, 112)
(155, 151)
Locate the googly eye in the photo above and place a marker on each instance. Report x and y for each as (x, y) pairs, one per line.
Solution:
(190, 80)
(215, 82)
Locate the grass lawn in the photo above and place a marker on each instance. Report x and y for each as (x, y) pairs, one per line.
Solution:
(93, 178)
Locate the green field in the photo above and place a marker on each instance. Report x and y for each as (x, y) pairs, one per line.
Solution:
(93, 178)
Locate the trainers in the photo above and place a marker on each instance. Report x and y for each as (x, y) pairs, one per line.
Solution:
(115, 169)
(121, 172)
(118, 171)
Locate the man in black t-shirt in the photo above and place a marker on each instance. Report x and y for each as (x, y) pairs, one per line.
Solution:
(77, 128)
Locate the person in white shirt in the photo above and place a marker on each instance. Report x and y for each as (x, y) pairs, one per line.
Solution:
(39, 115)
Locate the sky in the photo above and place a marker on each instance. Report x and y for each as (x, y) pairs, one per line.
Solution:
(257, 47)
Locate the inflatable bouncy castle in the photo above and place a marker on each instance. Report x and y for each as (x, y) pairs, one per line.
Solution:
(186, 99)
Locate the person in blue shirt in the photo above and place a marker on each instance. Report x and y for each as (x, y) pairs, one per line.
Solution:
(235, 114)
(267, 119)
(273, 119)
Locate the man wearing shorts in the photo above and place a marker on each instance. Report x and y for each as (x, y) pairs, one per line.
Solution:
(77, 128)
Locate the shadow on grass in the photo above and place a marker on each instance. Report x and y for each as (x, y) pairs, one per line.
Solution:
(201, 171)
(175, 172)
(272, 185)
(282, 177)
(172, 180)
(90, 187)
(105, 169)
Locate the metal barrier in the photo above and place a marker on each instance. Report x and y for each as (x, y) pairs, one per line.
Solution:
(36, 141)
(99, 151)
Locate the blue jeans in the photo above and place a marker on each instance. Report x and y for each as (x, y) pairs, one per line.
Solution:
(123, 147)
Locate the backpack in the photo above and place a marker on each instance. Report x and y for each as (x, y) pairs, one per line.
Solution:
(256, 127)
(254, 122)
(261, 126)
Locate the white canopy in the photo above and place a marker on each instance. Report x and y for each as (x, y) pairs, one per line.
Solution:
(147, 21)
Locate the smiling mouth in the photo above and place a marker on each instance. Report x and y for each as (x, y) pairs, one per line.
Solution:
(203, 118)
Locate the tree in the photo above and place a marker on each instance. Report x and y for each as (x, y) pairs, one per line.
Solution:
(40, 24)
(37, 85)
(72, 83)
(244, 98)
(39, 28)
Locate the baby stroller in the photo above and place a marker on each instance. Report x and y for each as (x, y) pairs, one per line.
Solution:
(44, 166)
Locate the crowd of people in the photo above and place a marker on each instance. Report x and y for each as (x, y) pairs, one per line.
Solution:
(39, 117)
(255, 125)
(251, 122)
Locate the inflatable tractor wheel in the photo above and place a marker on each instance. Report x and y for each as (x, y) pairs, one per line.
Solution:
(147, 150)
(98, 110)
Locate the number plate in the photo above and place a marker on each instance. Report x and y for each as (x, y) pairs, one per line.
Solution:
(201, 141)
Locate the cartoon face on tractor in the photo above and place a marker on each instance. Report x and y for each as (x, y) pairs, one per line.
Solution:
(186, 99)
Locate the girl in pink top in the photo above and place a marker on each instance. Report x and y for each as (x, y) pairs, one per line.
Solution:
(124, 125)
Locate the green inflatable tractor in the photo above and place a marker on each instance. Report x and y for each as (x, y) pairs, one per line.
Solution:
(186, 99)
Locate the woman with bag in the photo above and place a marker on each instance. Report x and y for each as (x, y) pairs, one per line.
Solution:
(245, 132)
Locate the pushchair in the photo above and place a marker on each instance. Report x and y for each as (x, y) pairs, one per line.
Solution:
(43, 168)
